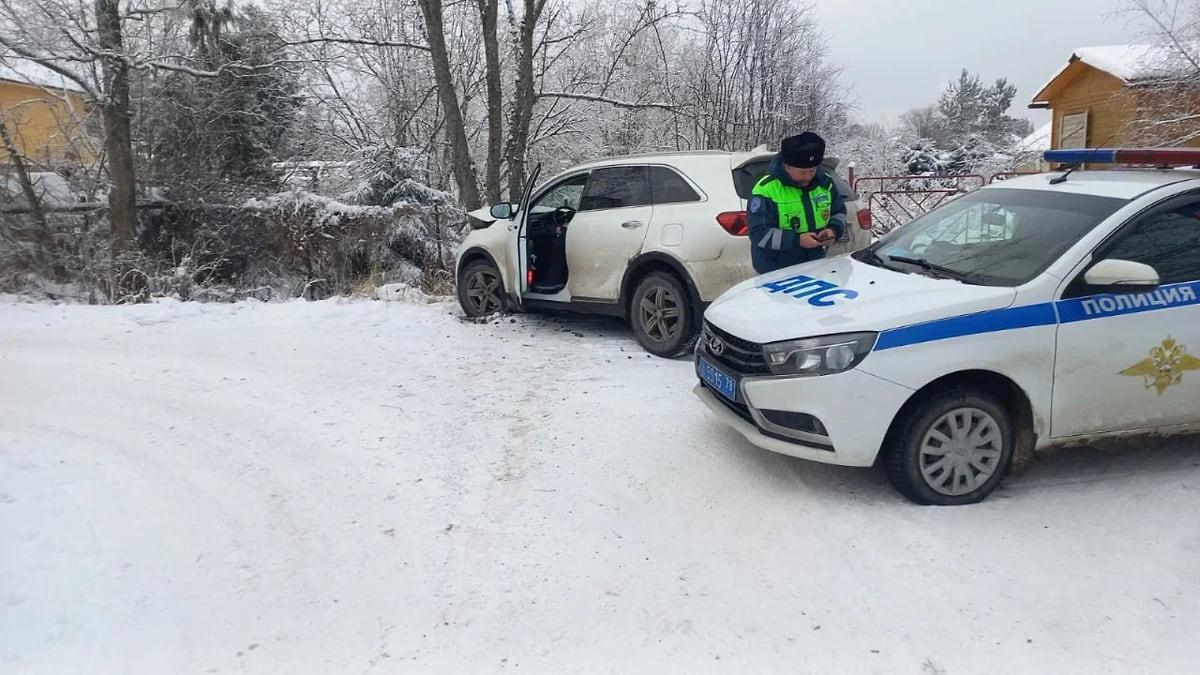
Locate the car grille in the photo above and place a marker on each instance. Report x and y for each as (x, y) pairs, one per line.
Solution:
(741, 356)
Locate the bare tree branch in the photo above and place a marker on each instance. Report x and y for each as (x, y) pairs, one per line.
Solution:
(366, 42)
(629, 105)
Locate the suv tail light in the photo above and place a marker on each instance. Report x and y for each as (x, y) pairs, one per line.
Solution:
(864, 218)
(734, 222)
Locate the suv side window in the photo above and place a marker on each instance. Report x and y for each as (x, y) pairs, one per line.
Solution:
(616, 187)
(668, 187)
(1167, 239)
(568, 193)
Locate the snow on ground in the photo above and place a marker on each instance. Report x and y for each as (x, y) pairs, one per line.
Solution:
(360, 486)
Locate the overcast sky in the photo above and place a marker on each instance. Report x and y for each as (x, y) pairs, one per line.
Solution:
(899, 54)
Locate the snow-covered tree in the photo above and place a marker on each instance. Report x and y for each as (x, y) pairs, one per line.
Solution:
(968, 108)
(923, 157)
(1165, 104)
(210, 135)
(874, 149)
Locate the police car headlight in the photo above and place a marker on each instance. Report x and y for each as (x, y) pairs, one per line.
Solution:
(818, 356)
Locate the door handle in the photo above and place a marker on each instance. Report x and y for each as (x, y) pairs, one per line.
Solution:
(632, 224)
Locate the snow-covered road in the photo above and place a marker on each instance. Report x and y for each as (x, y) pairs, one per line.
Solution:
(357, 486)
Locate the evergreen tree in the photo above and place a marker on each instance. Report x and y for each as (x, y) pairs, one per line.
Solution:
(212, 129)
(961, 105)
(922, 157)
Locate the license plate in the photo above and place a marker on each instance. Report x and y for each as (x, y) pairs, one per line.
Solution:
(717, 379)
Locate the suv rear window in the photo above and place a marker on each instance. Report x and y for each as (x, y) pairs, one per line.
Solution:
(668, 187)
(746, 175)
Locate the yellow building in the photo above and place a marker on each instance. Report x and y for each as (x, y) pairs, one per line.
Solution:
(1097, 98)
(47, 116)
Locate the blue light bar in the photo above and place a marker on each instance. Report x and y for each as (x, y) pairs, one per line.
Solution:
(1151, 156)
(1093, 155)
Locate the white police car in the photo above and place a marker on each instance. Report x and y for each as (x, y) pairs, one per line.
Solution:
(1028, 314)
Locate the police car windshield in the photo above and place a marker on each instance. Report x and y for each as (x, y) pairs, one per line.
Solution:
(993, 237)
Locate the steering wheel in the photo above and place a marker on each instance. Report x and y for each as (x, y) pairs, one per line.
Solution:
(563, 215)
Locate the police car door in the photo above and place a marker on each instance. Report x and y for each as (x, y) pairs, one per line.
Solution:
(607, 231)
(1132, 360)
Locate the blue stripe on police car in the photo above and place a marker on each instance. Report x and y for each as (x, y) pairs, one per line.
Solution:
(1042, 314)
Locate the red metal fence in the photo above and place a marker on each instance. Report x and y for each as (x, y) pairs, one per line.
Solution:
(895, 200)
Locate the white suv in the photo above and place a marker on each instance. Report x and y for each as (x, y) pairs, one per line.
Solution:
(652, 238)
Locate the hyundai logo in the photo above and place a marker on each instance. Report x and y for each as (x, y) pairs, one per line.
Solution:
(716, 346)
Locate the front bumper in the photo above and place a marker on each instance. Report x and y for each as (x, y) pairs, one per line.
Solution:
(854, 408)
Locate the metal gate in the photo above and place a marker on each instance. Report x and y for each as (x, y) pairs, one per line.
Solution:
(895, 200)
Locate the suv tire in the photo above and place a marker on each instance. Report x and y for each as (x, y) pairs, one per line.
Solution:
(662, 316)
(481, 290)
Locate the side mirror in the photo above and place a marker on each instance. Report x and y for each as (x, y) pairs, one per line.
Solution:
(1122, 276)
(502, 211)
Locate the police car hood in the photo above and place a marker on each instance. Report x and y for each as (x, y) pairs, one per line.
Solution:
(843, 295)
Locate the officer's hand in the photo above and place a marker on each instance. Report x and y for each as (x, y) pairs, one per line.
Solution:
(826, 236)
(809, 240)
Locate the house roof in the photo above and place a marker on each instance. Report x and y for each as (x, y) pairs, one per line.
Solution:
(24, 71)
(1038, 141)
(1129, 63)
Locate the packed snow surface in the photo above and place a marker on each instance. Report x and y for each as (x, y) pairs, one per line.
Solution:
(356, 486)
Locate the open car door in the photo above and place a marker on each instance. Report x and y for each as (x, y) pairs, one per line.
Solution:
(518, 247)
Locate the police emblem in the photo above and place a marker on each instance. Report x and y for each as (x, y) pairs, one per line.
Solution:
(1165, 366)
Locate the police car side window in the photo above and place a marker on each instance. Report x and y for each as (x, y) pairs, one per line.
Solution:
(616, 187)
(1167, 239)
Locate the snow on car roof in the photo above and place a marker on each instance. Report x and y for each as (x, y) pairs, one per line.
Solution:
(1119, 183)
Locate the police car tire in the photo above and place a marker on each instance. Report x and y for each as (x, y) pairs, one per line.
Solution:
(902, 449)
(685, 339)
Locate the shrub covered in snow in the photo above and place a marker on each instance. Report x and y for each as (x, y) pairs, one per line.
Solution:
(286, 245)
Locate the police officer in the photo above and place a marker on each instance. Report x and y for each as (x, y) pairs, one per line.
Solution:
(795, 211)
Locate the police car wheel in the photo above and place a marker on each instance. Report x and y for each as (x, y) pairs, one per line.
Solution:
(953, 448)
(660, 314)
(480, 290)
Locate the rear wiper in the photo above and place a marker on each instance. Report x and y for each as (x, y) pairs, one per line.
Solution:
(933, 267)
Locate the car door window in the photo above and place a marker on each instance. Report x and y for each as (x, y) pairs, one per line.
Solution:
(616, 187)
(568, 193)
(668, 187)
(1167, 239)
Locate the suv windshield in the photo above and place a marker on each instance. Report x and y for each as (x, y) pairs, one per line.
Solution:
(992, 237)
